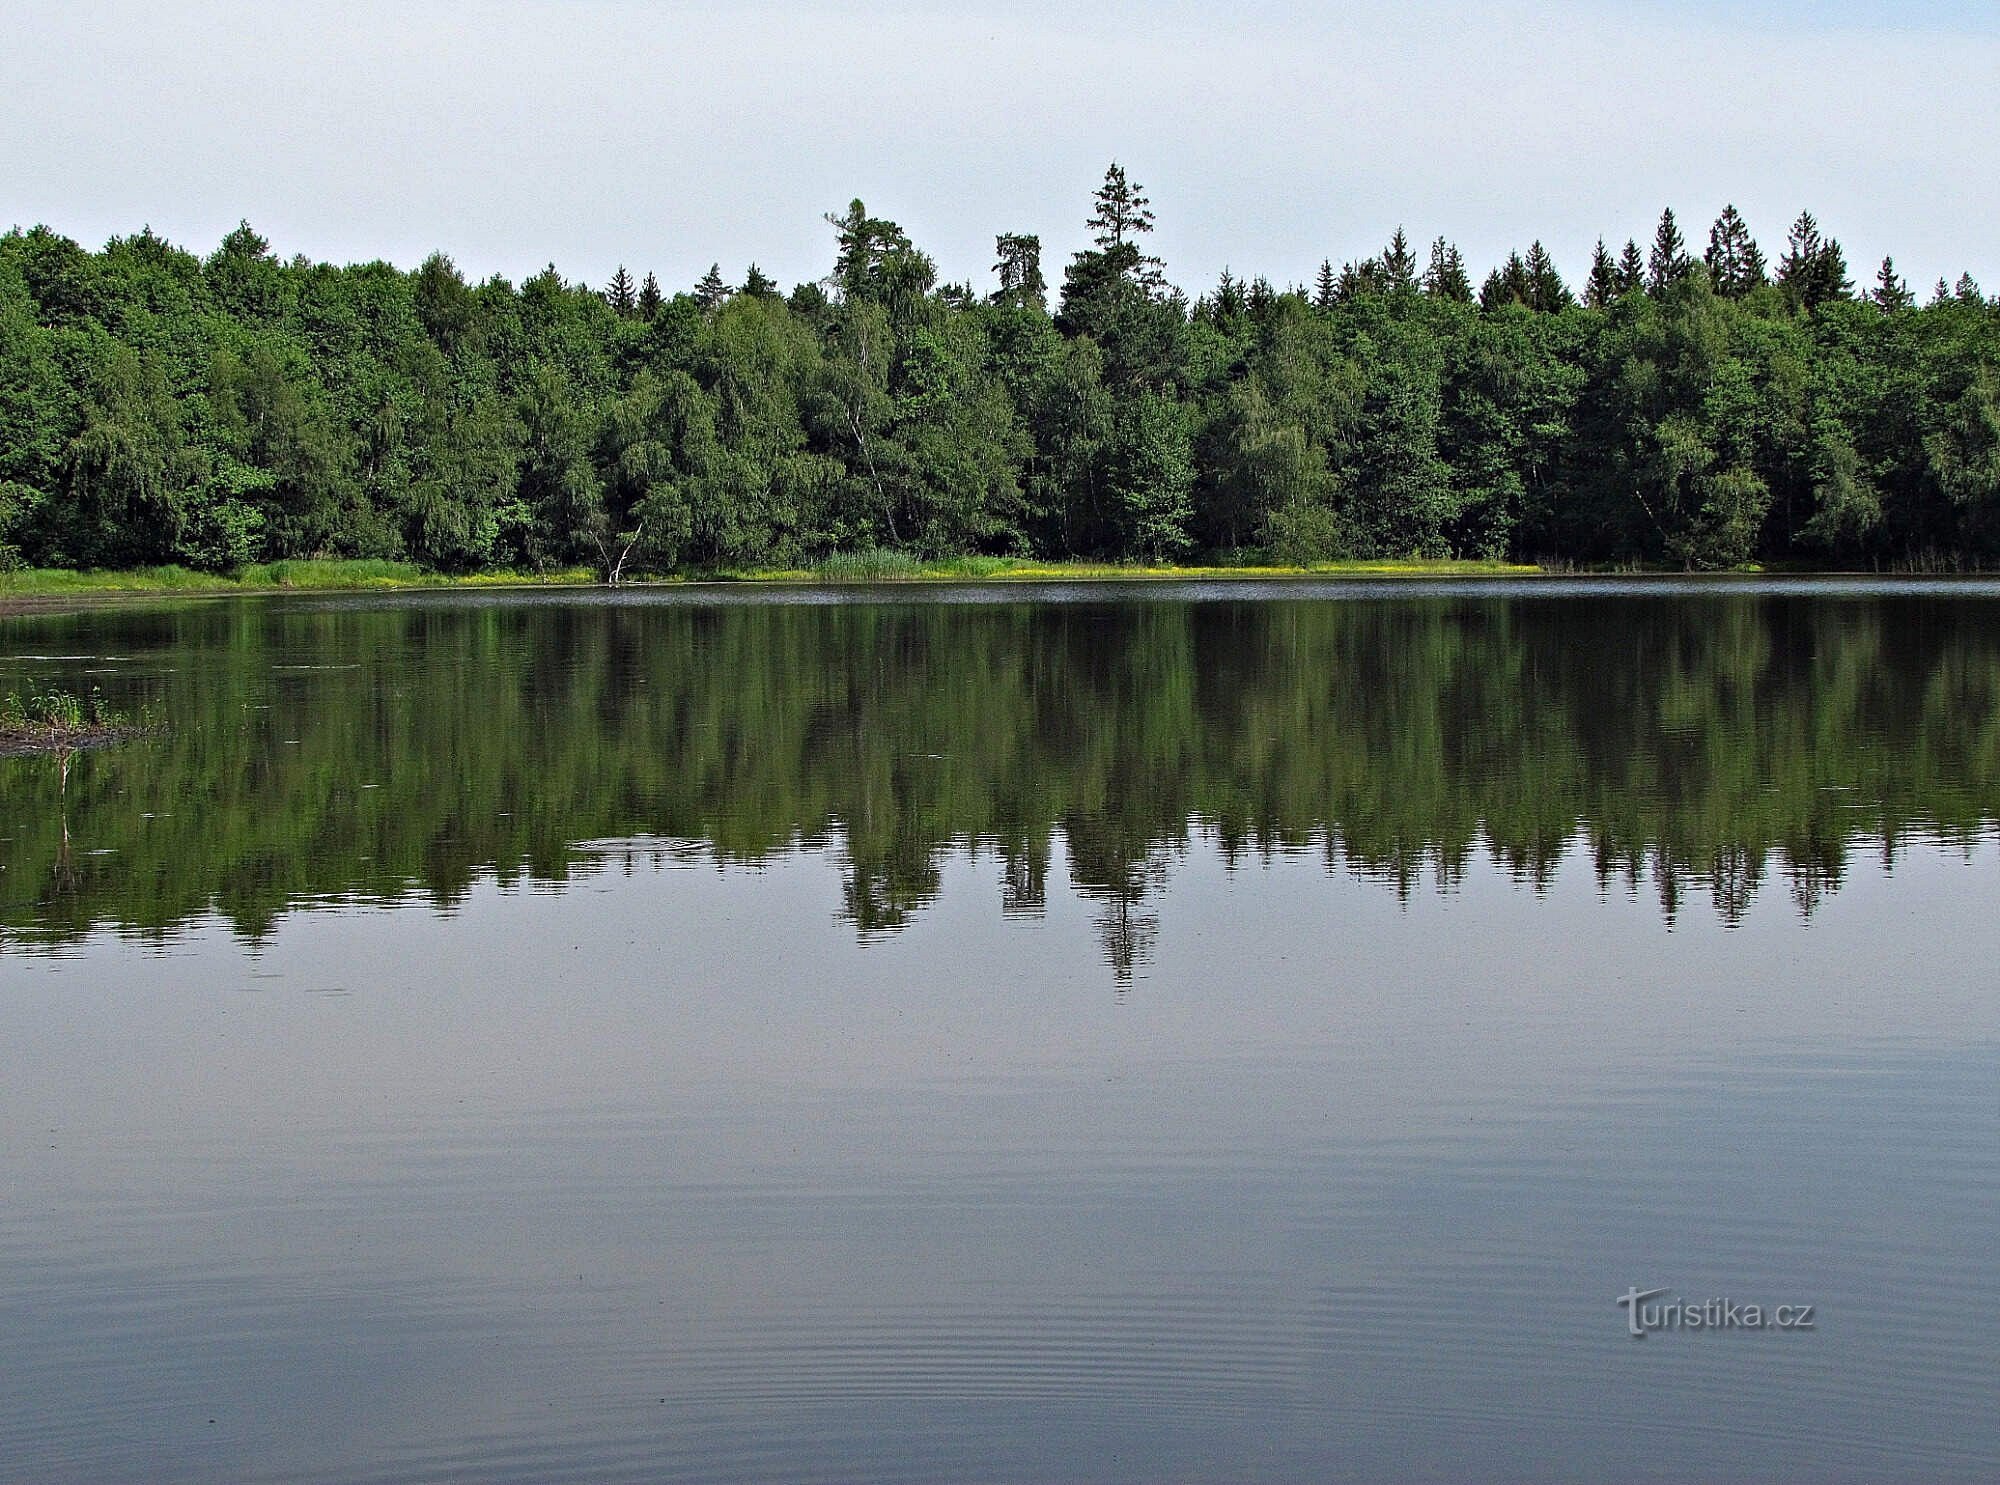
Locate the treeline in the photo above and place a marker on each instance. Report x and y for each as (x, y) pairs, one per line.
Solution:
(1685, 408)
(1718, 746)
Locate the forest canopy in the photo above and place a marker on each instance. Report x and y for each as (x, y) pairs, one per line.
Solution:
(1678, 405)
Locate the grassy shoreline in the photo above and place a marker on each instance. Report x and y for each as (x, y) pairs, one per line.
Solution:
(364, 576)
(874, 567)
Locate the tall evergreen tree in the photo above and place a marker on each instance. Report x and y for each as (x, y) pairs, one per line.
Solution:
(1399, 264)
(1668, 263)
(1966, 290)
(650, 297)
(620, 293)
(1735, 263)
(1019, 265)
(1891, 293)
(1813, 269)
(1121, 212)
(758, 284)
(1600, 290)
(1631, 269)
(1326, 288)
(1511, 283)
(1547, 293)
(711, 291)
(1446, 277)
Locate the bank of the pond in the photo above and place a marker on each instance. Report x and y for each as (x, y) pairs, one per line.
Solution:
(867, 567)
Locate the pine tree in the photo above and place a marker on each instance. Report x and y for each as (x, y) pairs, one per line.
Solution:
(1891, 293)
(1399, 263)
(759, 285)
(711, 291)
(1631, 269)
(1600, 290)
(1121, 212)
(1446, 277)
(1735, 263)
(1668, 263)
(1120, 216)
(1019, 266)
(620, 294)
(650, 298)
(1325, 287)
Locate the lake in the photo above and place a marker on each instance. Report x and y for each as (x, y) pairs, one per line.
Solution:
(1128, 1033)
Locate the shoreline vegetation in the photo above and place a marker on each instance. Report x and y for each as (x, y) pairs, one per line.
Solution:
(855, 567)
(849, 568)
(237, 419)
(60, 722)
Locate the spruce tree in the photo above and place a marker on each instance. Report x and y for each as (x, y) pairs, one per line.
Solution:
(650, 298)
(1942, 293)
(1631, 269)
(1966, 290)
(1735, 263)
(711, 291)
(1891, 293)
(1600, 290)
(1446, 277)
(1121, 210)
(1547, 293)
(1814, 269)
(620, 293)
(1399, 264)
(1668, 263)
(1229, 302)
(1120, 215)
(1325, 287)
(757, 284)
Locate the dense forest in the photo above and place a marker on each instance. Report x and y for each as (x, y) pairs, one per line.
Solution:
(1678, 407)
(319, 752)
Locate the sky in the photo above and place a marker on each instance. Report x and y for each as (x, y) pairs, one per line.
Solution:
(1269, 135)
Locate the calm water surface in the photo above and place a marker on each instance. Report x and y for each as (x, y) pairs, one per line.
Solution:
(1193, 1034)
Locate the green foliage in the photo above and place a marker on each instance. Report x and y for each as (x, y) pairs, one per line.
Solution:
(163, 410)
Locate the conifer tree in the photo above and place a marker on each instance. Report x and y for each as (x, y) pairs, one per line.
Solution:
(1966, 290)
(1668, 263)
(1735, 263)
(1600, 290)
(1891, 293)
(1399, 264)
(1019, 265)
(620, 293)
(1325, 288)
(1446, 277)
(1547, 293)
(1814, 269)
(711, 291)
(1942, 293)
(1631, 269)
(1229, 301)
(650, 298)
(759, 285)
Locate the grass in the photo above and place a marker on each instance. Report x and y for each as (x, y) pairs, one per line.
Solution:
(266, 577)
(59, 720)
(882, 566)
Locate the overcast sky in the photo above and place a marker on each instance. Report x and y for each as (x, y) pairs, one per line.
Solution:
(664, 135)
